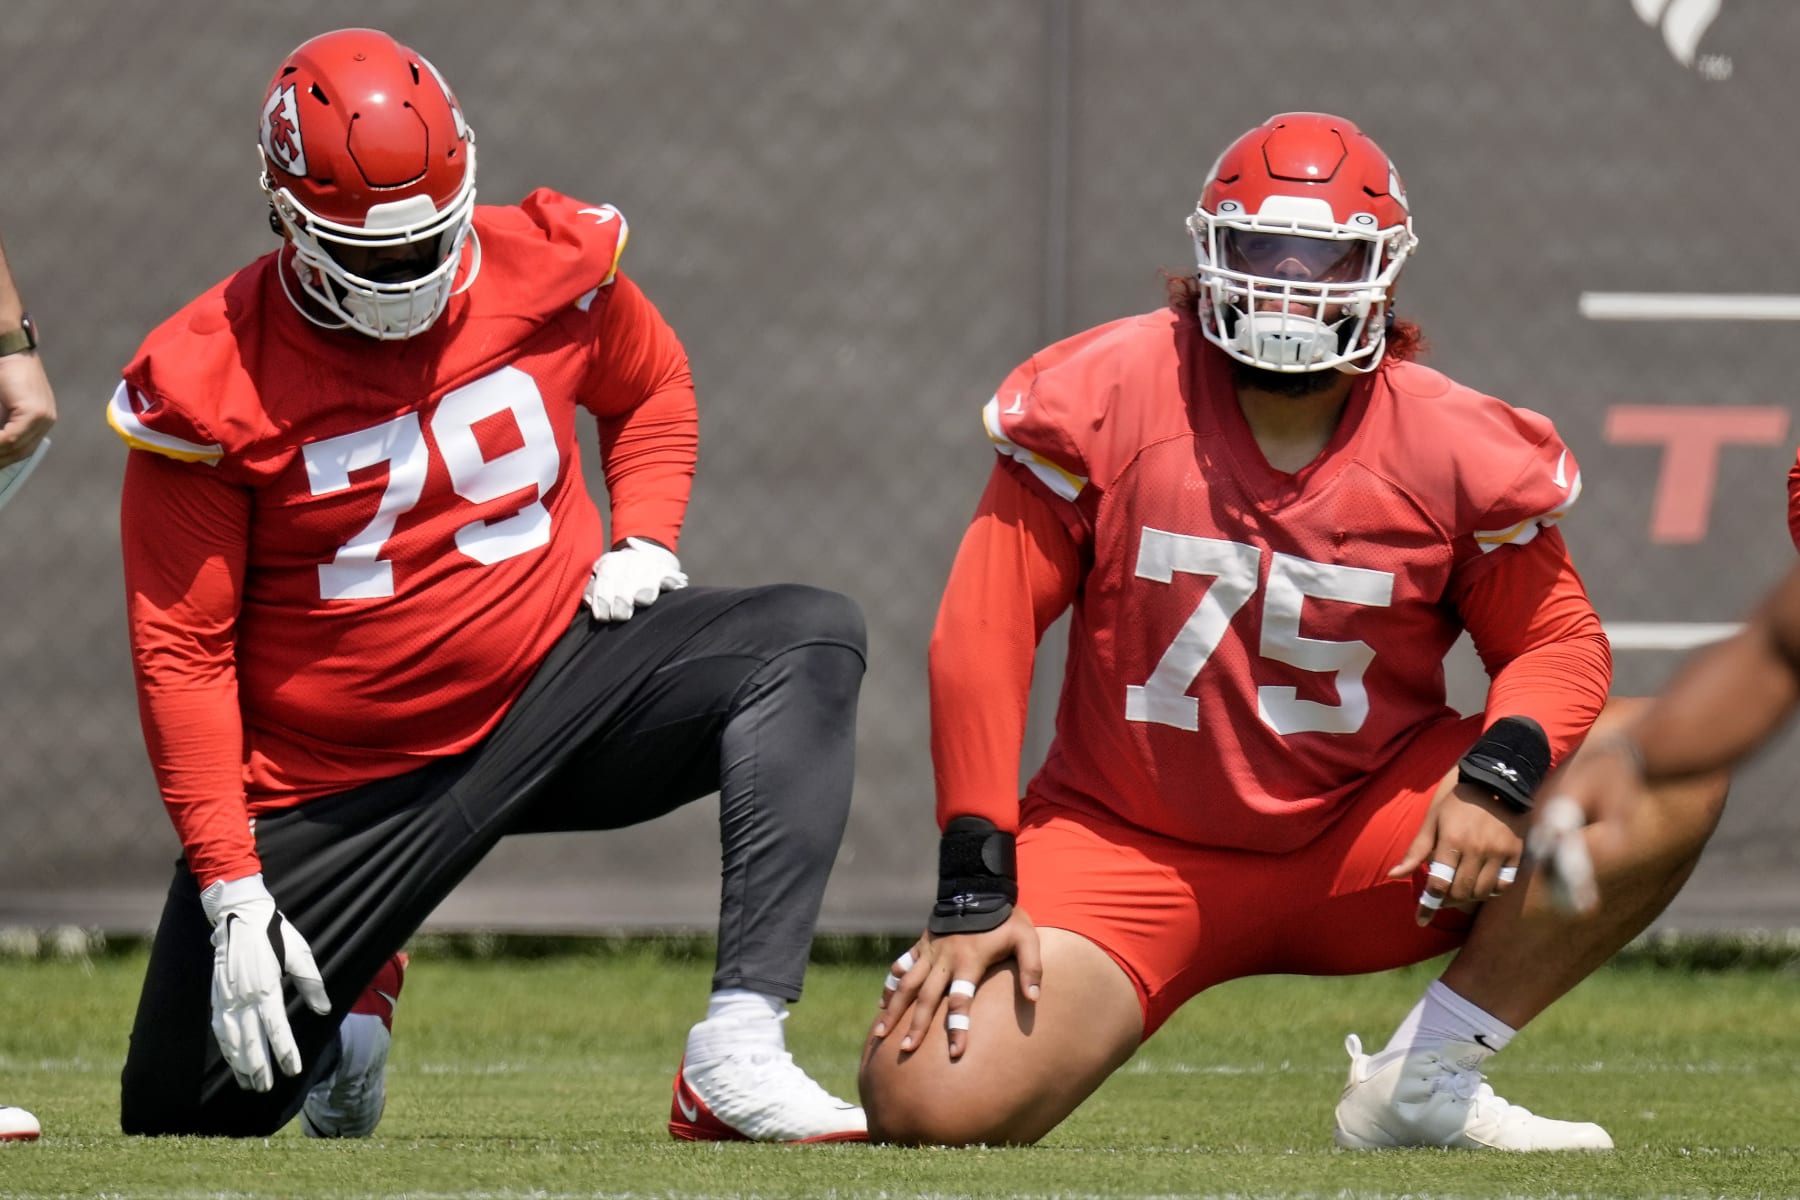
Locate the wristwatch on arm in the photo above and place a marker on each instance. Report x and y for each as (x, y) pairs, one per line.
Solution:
(18, 341)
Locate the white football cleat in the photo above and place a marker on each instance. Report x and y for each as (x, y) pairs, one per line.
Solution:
(738, 1083)
(1436, 1096)
(348, 1102)
(17, 1125)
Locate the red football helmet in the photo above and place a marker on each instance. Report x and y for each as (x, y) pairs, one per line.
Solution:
(370, 171)
(1300, 233)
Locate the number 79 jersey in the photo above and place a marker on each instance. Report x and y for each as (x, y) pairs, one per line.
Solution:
(1248, 645)
(410, 517)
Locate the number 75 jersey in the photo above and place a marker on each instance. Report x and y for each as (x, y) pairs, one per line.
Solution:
(1248, 644)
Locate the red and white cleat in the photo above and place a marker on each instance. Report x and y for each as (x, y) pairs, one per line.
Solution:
(348, 1102)
(738, 1083)
(17, 1125)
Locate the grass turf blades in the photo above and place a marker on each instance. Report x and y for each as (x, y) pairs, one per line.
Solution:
(547, 1075)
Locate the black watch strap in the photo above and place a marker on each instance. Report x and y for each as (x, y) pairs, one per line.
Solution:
(18, 341)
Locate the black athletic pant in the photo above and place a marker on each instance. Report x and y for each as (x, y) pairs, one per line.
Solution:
(749, 692)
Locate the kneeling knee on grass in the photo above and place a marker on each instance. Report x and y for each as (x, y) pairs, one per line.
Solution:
(1027, 1065)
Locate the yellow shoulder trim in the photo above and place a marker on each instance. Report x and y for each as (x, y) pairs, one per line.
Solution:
(612, 272)
(1066, 484)
(121, 414)
(1522, 533)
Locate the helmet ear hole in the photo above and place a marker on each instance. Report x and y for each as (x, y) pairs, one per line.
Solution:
(275, 224)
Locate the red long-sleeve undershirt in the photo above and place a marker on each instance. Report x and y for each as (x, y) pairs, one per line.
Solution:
(1019, 568)
(185, 534)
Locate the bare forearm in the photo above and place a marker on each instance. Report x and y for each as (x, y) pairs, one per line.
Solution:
(11, 306)
(1729, 699)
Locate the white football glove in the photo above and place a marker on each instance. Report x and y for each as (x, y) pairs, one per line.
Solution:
(253, 947)
(634, 575)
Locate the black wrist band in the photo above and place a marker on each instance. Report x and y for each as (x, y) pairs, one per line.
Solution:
(978, 877)
(1509, 760)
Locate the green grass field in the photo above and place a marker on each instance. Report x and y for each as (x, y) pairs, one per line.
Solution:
(549, 1077)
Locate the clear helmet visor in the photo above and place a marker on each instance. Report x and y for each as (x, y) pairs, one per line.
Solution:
(1294, 257)
(1289, 295)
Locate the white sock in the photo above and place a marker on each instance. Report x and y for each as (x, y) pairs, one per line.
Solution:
(739, 1004)
(1443, 1016)
(737, 1020)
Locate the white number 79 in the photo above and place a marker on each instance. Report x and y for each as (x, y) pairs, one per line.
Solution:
(357, 571)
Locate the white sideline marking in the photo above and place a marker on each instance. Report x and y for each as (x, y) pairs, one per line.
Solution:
(1668, 635)
(1776, 1068)
(1138, 1066)
(1687, 306)
(55, 1066)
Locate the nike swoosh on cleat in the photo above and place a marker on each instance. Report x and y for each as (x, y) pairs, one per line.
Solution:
(689, 1110)
(1481, 1038)
(392, 1000)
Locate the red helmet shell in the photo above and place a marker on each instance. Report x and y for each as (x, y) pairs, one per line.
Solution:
(1300, 178)
(1309, 155)
(353, 119)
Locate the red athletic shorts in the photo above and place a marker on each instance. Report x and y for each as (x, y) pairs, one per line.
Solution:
(1180, 918)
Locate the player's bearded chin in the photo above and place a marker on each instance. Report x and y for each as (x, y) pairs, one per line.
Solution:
(1282, 383)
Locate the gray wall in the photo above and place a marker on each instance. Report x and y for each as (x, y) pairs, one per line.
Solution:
(860, 214)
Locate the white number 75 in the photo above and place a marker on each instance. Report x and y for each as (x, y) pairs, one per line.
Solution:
(1163, 698)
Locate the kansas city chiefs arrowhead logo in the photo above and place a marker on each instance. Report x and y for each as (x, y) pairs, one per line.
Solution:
(456, 112)
(1396, 189)
(281, 131)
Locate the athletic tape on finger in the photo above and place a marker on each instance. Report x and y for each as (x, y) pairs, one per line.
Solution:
(1508, 874)
(1443, 871)
(956, 1021)
(905, 962)
(892, 982)
(1427, 900)
(962, 987)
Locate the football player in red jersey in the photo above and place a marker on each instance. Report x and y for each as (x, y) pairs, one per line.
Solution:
(1271, 525)
(378, 623)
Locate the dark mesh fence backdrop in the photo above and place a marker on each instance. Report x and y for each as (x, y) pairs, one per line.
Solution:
(860, 215)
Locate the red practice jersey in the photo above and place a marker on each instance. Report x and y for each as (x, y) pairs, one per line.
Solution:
(345, 558)
(1247, 645)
